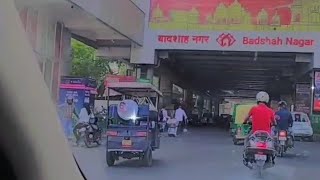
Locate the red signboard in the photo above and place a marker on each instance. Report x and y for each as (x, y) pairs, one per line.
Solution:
(316, 97)
(226, 40)
(181, 39)
(278, 41)
(281, 8)
(118, 78)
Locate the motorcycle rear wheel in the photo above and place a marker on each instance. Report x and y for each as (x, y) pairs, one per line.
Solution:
(87, 141)
(260, 165)
(281, 151)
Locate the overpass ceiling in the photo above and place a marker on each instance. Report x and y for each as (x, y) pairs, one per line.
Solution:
(79, 21)
(207, 70)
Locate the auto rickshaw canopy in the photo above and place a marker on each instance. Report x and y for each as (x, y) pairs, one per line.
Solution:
(139, 89)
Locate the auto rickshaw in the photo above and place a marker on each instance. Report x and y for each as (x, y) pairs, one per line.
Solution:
(133, 130)
(238, 129)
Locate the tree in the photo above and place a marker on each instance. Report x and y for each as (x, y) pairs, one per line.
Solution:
(86, 64)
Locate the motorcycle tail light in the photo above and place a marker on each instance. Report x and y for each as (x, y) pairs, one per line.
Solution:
(141, 134)
(282, 134)
(112, 133)
(261, 145)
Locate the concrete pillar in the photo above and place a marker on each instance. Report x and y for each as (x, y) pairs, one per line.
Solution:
(216, 102)
(66, 65)
(188, 97)
(313, 87)
(138, 73)
(200, 104)
(166, 89)
(51, 44)
(210, 105)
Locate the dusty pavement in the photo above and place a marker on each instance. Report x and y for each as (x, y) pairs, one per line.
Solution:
(204, 154)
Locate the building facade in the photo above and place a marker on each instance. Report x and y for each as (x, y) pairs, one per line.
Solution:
(50, 25)
(230, 25)
(290, 26)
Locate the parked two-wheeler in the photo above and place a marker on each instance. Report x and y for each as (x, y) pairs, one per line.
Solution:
(284, 141)
(90, 133)
(260, 152)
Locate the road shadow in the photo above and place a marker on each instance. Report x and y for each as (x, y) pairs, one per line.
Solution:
(136, 163)
(295, 155)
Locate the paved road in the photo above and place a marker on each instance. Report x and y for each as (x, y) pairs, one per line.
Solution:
(203, 154)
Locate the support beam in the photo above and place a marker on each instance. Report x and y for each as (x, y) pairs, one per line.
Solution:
(233, 58)
(85, 40)
(114, 43)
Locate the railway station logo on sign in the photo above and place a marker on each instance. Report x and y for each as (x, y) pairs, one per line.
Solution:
(226, 40)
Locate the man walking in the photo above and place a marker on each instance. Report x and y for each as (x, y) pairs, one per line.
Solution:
(181, 117)
(66, 111)
(163, 118)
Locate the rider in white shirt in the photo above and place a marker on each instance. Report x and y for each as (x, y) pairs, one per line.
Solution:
(82, 121)
(180, 116)
(83, 116)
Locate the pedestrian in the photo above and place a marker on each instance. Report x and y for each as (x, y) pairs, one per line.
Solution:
(181, 117)
(66, 112)
(163, 117)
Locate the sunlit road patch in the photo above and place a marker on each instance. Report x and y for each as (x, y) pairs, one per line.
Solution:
(203, 154)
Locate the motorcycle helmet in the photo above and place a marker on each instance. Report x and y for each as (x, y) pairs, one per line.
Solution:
(263, 97)
(282, 103)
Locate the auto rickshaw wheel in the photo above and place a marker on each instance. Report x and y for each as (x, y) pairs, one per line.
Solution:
(110, 159)
(147, 157)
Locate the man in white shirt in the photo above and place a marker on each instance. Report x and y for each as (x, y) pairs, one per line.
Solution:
(163, 117)
(84, 117)
(181, 117)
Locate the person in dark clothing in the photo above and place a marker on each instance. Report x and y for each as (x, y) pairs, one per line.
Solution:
(283, 117)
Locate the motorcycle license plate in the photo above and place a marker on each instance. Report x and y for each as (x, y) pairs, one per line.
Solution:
(282, 138)
(260, 157)
(126, 143)
(282, 142)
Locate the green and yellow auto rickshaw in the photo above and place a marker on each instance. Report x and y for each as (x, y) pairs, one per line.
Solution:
(240, 130)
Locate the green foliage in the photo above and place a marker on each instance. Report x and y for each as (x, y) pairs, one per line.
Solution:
(85, 64)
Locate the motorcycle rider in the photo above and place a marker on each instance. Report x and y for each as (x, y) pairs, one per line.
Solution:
(283, 118)
(262, 117)
(84, 117)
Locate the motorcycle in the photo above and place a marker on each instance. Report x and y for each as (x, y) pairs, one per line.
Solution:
(284, 141)
(172, 127)
(259, 152)
(90, 133)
